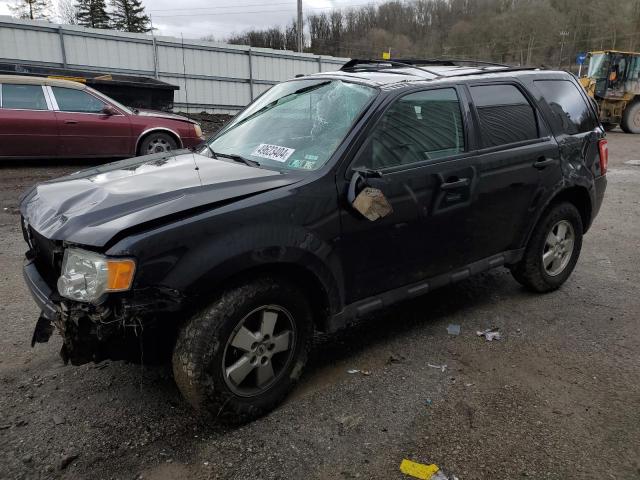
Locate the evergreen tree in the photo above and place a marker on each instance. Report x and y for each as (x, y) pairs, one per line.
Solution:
(31, 9)
(129, 16)
(92, 13)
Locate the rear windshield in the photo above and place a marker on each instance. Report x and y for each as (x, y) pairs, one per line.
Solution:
(295, 125)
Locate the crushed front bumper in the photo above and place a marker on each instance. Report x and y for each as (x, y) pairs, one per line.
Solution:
(112, 330)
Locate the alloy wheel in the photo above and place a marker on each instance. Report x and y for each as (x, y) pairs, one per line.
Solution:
(259, 350)
(158, 145)
(558, 248)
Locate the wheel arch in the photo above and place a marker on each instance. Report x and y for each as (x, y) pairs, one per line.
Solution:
(320, 296)
(578, 196)
(149, 131)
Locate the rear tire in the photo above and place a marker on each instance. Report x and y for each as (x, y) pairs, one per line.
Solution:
(631, 118)
(224, 363)
(552, 251)
(157, 143)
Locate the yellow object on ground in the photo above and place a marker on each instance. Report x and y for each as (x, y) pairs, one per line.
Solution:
(418, 470)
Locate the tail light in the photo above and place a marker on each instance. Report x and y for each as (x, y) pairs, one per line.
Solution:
(603, 148)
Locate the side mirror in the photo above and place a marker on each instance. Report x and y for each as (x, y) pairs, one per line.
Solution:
(109, 110)
(369, 202)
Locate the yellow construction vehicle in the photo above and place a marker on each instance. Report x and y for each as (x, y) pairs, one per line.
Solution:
(613, 80)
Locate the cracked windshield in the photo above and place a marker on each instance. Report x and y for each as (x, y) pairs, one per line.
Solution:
(295, 125)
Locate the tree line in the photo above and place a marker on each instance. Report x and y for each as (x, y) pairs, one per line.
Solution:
(123, 15)
(534, 32)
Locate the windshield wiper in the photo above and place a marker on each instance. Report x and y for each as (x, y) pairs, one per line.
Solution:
(236, 158)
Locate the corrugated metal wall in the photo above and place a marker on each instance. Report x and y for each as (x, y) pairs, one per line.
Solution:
(214, 77)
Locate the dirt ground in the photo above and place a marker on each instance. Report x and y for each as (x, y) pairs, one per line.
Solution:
(557, 398)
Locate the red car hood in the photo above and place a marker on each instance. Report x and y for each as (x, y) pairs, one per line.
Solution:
(158, 114)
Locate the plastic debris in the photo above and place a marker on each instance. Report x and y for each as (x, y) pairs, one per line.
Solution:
(429, 402)
(353, 371)
(423, 472)
(490, 334)
(453, 329)
(442, 367)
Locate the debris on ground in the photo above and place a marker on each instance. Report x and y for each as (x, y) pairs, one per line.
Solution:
(58, 420)
(67, 460)
(353, 371)
(453, 329)
(423, 472)
(396, 358)
(442, 367)
(429, 402)
(490, 334)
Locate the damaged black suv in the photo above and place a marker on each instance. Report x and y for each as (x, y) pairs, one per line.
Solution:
(329, 197)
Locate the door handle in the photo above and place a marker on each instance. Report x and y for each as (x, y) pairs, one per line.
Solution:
(543, 162)
(455, 182)
(70, 122)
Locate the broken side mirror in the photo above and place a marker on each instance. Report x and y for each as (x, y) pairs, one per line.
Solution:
(369, 202)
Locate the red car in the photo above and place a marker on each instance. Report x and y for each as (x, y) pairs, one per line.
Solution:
(44, 117)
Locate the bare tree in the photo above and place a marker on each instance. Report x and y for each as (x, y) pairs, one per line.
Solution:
(67, 12)
(31, 9)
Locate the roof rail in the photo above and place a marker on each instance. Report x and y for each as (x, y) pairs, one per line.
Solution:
(449, 62)
(357, 63)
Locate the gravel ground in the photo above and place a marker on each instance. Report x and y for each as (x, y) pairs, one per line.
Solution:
(557, 398)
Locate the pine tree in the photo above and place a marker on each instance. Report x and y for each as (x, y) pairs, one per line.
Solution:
(31, 9)
(92, 13)
(129, 16)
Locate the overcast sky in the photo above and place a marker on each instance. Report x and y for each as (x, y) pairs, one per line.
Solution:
(220, 18)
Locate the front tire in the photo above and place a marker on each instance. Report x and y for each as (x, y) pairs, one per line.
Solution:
(237, 359)
(631, 118)
(552, 251)
(157, 142)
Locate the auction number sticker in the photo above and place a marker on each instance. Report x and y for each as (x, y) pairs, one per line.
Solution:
(273, 152)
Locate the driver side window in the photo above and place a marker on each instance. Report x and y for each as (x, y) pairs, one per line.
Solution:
(417, 127)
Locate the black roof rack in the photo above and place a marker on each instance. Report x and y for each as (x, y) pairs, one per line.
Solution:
(375, 65)
(372, 65)
(448, 62)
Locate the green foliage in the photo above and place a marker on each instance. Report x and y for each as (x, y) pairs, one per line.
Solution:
(92, 13)
(129, 16)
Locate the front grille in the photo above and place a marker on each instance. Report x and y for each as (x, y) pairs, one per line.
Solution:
(47, 257)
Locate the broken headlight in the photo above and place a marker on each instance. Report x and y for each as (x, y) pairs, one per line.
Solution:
(87, 276)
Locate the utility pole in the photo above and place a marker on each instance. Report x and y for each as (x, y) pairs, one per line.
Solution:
(563, 34)
(300, 27)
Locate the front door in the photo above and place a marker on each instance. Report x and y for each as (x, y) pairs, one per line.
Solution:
(28, 127)
(85, 130)
(427, 175)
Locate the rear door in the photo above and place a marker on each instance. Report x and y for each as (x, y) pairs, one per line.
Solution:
(427, 176)
(573, 122)
(28, 125)
(85, 130)
(518, 165)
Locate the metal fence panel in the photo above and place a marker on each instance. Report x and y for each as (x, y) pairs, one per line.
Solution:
(212, 77)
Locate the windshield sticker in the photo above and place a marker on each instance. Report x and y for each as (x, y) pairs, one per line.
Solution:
(273, 152)
(305, 164)
(310, 157)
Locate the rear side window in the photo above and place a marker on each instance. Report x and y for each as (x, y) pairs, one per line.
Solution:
(70, 100)
(505, 115)
(571, 114)
(24, 97)
(417, 127)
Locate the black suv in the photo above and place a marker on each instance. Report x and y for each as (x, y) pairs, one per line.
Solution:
(329, 197)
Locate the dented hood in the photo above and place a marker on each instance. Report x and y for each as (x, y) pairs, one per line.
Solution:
(91, 206)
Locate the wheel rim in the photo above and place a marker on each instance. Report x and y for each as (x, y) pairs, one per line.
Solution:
(636, 118)
(558, 248)
(259, 350)
(158, 145)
